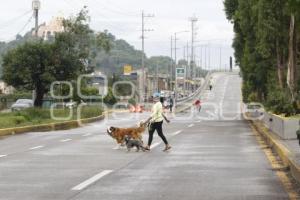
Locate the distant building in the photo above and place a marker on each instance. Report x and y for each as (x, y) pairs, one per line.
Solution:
(5, 89)
(157, 83)
(48, 30)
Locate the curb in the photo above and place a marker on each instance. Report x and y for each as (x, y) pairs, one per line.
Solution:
(52, 126)
(284, 153)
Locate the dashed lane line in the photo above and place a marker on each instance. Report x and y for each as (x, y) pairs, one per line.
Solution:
(37, 147)
(66, 140)
(86, 135)
(2, 156)
(91, 180)
(191, 125)
(176, 133)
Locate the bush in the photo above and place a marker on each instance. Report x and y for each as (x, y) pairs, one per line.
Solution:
(91, 111)
(279, 102)
(35, 116)
(132, 102)
(110, 99)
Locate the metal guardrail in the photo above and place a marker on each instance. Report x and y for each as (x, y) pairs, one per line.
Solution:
(196, 93)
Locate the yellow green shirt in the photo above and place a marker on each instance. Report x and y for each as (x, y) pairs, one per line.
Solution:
(157, 112)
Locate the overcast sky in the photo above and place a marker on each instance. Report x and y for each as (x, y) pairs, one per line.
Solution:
(123, 19)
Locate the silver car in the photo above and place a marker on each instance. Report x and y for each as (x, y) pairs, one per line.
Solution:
(254, 111)
(22, 104)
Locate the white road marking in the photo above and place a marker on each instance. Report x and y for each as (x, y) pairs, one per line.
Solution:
(86, 135)
(1, 156)
(199, 121)
(37, 147)
(176, 133)
(191, 125)
(66, 140)
(92, 180)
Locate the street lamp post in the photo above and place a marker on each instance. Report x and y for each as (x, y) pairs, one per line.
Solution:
(175, 44)
(36, 5)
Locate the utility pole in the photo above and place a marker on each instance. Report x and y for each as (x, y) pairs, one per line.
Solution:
(220, 58)
(143, 54)
(36, 5)
(193, 21)
(188, 69)
(205, 57)
(175, 44)
(209, 67)
(171, 65)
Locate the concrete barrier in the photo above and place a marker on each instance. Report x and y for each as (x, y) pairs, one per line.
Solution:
(285, 128)
(284, 153)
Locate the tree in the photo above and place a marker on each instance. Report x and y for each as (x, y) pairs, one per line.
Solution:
(30, 66)
(36, 64)
(266, 47)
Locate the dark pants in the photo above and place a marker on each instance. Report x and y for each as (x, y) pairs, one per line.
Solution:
(158, 127)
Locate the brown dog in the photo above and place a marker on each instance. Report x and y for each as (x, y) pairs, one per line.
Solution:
(119, 133)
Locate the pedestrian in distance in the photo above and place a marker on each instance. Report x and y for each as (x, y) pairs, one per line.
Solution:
(197, 105)
(210, 84)
(156, 122)
(171, 104)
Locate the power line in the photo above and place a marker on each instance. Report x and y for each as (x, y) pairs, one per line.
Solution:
(29, 20)
(119, 12)
(136, 13)
(11, 21)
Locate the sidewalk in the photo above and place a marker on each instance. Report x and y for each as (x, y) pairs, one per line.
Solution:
(287, 150)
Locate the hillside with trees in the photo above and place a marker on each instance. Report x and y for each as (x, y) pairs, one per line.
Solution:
(120, 54)
(267, 49)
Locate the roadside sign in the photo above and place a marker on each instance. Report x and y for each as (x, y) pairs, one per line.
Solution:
(127, 69)
(180, 72)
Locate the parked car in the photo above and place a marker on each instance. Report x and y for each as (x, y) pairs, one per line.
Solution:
(22, 104)
(71, 104)
(254, 110)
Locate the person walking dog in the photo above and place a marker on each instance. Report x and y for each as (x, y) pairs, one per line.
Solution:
(156, 122)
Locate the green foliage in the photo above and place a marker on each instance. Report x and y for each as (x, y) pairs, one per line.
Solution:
(279, 103)
(35, 65)
(261, 49)
(110, 99)
(34, 116)
(132, 102)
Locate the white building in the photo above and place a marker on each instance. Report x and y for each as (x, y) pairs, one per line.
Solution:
(48, 30)
(5, 89)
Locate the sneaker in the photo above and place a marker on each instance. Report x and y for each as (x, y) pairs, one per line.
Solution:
(147, 148)
(167, 148)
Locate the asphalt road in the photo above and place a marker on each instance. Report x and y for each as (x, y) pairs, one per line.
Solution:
(214, 156)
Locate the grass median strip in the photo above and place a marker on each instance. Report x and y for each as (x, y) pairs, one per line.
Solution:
(91, 180)
(38, 116)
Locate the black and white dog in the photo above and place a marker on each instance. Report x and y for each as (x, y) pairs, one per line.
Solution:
(130, 143)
